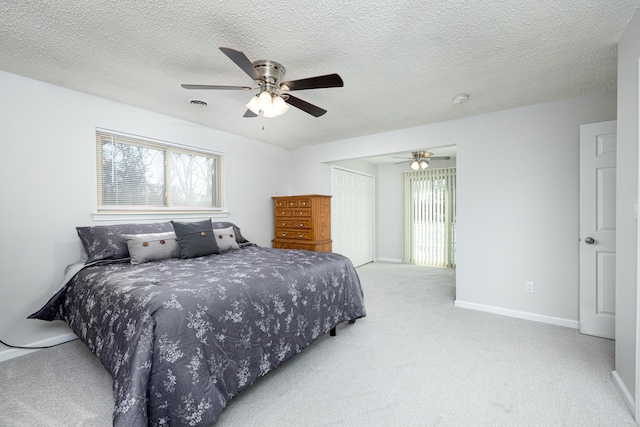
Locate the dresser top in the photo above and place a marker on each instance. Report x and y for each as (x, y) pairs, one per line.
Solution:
(301, 195)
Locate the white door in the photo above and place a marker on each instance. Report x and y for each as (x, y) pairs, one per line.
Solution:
(598, 229)
(352, 215)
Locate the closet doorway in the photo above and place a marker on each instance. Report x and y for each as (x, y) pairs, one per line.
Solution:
(352, 215)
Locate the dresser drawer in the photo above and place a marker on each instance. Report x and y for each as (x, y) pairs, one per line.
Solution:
(293, 234)
(293, 223)
(294, 246)
(304, 203)
(284, 213)
(301, 212)
(307, 247)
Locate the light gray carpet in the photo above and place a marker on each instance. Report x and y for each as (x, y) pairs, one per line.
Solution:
(415, 360)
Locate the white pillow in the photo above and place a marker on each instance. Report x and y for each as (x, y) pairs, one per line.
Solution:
(225, 238)
(152, 246)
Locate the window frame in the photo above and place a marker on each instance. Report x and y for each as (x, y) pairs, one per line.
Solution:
(141, 212)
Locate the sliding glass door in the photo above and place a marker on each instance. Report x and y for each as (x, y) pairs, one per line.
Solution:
(429, 217)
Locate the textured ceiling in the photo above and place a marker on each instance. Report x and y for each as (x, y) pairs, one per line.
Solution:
(402, 61)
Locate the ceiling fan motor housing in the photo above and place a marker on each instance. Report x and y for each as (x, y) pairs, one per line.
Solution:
(272, 72)
(417, 155)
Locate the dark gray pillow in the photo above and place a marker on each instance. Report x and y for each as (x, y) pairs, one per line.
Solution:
(223, 224)
(102, 242)
(195, 238)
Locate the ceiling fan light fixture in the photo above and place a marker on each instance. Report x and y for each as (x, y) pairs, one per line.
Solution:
(424, 164)
(253, 105)
(279, 106)
(270, 113)
(415, 165)
(264, 100)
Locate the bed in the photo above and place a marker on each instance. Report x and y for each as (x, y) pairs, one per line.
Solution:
(182, 335)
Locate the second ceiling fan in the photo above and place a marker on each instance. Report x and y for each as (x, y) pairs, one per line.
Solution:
(268, 75)
(420, 159)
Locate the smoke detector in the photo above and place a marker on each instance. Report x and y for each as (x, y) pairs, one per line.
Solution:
(460, 99)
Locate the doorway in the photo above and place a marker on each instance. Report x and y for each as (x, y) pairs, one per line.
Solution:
(429, 217)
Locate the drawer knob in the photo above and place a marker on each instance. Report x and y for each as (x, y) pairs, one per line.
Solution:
(302, 224)
(300, 235)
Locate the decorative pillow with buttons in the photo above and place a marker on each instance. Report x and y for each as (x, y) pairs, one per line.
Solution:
(226, 239)
(152, 246)
(195, 238)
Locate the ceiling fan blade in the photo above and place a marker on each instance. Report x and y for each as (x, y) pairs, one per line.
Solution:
(438, 158)
(242, 61)
(305, 106)
(399, 163)
(249, 113)
(318, 82)
(216, 87)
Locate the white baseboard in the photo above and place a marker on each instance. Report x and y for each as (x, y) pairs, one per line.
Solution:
(624, 392)
(11, 353)
(519, 314)
(397, 260)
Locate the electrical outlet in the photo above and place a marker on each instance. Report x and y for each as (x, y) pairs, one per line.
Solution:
(530, 287)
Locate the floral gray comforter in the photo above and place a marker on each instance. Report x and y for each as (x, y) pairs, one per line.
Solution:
(182, 337)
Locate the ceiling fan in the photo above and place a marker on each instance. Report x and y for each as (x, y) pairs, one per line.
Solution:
(268, 75)
(420, 159)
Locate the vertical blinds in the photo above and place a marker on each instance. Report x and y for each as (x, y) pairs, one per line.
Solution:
(429, 217)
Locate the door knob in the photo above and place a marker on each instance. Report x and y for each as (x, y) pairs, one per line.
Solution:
(589, 240)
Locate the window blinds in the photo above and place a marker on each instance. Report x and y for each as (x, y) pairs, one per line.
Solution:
(141, 173)
(429, 217)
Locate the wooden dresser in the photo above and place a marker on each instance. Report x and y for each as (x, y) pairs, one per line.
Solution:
(303, 222)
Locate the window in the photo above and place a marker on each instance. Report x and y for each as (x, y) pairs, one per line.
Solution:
(137, 173)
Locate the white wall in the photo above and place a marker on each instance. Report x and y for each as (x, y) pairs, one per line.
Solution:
(48, 176)
(389, 213)
(626, 368)
(518, 186)
(518, 207)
